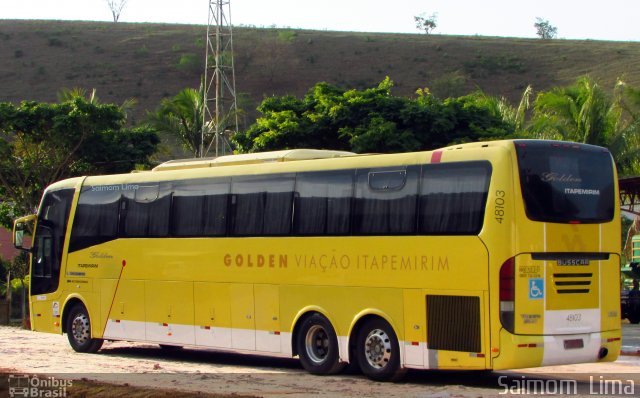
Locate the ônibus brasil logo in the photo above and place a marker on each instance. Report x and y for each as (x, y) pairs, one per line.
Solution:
(34, 386)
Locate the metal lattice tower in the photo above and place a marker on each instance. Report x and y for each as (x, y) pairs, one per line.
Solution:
(220, 107)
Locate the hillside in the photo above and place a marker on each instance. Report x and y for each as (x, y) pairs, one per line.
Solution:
(152, 61)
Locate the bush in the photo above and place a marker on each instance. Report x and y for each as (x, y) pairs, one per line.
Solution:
(488, 65)
(55, 42)
(19, 288)
(4, 268)
(449, 85)
(142, 52)
(189, 62)
(287, 36)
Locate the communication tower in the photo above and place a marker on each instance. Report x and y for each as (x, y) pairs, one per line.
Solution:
(220, 107)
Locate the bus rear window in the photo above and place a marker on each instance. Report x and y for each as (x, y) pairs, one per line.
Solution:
(566, 182)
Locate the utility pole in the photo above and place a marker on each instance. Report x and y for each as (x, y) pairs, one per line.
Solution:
(220, 116)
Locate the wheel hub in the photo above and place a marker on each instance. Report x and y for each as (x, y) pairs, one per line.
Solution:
(80, 328)
(377, 348)
(317, 344)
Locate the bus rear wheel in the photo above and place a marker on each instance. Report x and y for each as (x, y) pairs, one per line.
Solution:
(317, 346)
(79, 331)
(378, 351)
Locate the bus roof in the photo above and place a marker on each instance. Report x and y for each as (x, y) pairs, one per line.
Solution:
(249, 158)
(66, 183)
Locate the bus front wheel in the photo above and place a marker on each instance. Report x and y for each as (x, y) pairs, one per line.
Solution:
(378, 351)
(79, 331)
(317, 346)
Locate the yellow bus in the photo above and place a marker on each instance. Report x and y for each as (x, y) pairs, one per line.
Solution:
(492, 255)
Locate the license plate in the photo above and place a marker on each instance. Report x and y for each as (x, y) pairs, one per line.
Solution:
(573, 344)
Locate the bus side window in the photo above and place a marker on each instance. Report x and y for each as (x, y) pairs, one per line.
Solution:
(262, 204)
(453, 198)
(216, 207)
(199, 207)
(386, 201)
(96, 219)
(323, 203)
(146, 211)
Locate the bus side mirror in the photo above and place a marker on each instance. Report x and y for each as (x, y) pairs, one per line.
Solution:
(18, 235)
(22, 233)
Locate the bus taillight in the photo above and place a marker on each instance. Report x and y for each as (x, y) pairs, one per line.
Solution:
(507, 294)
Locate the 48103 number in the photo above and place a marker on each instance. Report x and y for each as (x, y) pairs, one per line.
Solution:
(499, 206)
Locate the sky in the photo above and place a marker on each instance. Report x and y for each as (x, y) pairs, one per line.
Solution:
(574, 19)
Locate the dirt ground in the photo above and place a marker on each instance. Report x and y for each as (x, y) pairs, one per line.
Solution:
(146, 370)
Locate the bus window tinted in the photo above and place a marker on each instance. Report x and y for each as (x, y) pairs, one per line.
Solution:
(262, 204)
(146, 211)
(563, 182)
(386, 201)
(96, 219)
(453, 198)
(199, 207)
(323, 203)
(434, 199)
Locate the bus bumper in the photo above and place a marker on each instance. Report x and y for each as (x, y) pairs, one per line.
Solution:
(519, 351)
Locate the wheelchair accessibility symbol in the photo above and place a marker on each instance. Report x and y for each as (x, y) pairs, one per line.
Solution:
(536, 288)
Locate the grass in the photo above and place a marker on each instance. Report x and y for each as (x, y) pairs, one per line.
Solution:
(289, 61)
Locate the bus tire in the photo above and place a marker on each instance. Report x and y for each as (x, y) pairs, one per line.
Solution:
(79, 331)
(378, 351)
(317, 345)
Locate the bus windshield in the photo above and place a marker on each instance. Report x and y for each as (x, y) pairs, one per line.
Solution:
(566, 182)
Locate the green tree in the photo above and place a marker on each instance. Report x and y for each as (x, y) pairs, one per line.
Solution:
(584, 112)
(581, 112)
(502, 108)
(545, 30)
(182, 116)
(625, 142)
(41, 143)
(369, 120)
(426, 24)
